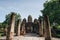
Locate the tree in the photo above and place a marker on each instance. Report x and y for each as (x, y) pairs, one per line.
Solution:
(52, 9)
(40, 18)
(0, 25)
(6, 22)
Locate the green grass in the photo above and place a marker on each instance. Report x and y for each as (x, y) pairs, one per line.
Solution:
(58, 27)
(1, 34)
(58, 35)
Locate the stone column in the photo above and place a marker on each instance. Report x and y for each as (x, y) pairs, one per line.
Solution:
(5, 31)
(23, 30)
(18, 28)
(41, 28)
(29, 23)
(35, 26)
(47, 28)
(10, 31)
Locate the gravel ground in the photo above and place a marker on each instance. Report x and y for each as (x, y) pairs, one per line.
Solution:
(28, 37)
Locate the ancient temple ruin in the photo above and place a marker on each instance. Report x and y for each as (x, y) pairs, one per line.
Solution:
(40, 27)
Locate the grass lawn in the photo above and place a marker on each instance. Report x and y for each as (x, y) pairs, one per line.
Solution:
(1, 34)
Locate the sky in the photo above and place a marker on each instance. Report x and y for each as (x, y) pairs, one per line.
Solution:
(23, 7)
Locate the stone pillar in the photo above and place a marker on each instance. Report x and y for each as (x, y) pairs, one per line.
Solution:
(36, 26)
(47, 28)
(41, 28)
(5, 31)
(29, 18)
(10, 31)
(18, 28)
(29, 23)
(23, 24)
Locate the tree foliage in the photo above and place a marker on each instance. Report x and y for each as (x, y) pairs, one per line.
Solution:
(52, 9)
(0, 25)
(6, 22)
(40, 18)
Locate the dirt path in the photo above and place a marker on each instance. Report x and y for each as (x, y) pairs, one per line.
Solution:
(28, 37)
